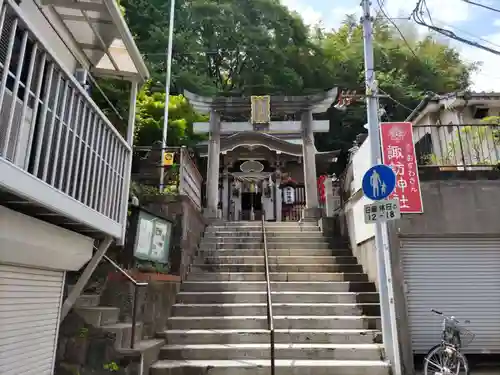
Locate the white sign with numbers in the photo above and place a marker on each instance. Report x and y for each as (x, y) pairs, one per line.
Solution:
(382, 211)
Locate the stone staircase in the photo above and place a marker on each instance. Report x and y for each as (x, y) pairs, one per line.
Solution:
(107, 318)
(326, 313)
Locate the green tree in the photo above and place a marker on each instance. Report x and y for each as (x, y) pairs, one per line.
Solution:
(227, 46)
(405, 74)
(150, 118)
(259, 47)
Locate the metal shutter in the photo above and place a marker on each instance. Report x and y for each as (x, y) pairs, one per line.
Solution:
(460, 277)
(30, 301)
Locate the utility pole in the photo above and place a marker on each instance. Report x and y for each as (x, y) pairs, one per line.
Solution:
(167, 91)
(385, 286)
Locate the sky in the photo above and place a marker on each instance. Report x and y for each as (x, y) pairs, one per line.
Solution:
(466, 20)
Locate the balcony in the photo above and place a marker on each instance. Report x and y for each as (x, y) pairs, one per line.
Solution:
(61, 160)
(460, 147)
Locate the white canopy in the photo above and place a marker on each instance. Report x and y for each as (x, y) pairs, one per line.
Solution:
(100, 30)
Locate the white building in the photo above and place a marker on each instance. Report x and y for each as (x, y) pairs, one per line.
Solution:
(450, 130)
(447, 257)
(64, 168)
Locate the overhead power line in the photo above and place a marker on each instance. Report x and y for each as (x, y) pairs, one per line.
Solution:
(481, 5)
(418, 17)
(381, 7)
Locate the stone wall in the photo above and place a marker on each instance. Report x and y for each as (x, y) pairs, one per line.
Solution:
(156, 299)
(337, 228)
(456, 203)
(189, 226)
(85, 350)
(193, 230)
(155, 302)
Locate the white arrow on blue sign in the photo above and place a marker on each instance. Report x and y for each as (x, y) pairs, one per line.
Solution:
(379, 182)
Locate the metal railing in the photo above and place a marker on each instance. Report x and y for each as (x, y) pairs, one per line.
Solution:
(462, 147)
(136, 285)
(49, 125)
(270, 320)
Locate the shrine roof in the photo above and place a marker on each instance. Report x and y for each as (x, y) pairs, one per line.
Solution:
(290, 146)
(318, 103)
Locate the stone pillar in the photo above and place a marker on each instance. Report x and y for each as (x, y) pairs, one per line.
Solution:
(329, 198)
(225, 194)
(312, 210)
(213, 164)
(277, 197)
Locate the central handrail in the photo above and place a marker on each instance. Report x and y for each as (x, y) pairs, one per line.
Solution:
(136, 284)
(270, 321)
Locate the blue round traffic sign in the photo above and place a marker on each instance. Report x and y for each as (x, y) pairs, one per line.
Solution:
(379, 182)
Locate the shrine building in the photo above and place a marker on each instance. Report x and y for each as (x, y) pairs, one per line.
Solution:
(261, 165)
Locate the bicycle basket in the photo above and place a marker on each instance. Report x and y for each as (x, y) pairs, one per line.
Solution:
(466, 336)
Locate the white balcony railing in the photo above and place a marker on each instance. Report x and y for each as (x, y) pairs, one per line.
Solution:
(52, 130)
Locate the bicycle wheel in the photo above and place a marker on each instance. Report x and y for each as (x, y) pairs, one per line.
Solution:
(445, 360)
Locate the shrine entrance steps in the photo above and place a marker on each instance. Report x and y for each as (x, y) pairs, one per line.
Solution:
(326, 312)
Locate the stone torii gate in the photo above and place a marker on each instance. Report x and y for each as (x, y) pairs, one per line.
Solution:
(304, 106)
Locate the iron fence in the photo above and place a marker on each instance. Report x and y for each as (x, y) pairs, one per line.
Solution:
(461, 147)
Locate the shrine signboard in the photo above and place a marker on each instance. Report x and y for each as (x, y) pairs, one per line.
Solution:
(261, 111)
(151, 236)
(398, 152)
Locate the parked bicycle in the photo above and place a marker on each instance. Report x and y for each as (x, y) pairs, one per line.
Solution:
(446, 358)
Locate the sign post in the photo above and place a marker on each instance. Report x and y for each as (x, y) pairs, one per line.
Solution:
(168, 158)
(379, 183)
(385, 285)
(398, 152)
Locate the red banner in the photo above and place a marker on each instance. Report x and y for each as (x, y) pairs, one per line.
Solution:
(398, 152)
(321, 188)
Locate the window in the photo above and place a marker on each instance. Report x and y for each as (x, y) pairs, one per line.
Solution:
(16, 55)
(480, 113)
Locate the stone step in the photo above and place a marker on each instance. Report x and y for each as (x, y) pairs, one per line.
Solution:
(258, 235)
(270, 224)
(210, 245)
(98, 315)
(311, 268)
(269, 229)
(87, 300)
(290, 239)
(298, 351)
(123, 332)
(279, 308)
(277, 297)
(148, 350)
(283, 286)
(242, 336)
(274, 260)
(277, 276)
(280, 322)
(262, 367)
(277, 252)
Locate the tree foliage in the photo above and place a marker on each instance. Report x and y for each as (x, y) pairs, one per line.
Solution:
(227, 46)
(150, 119)
(244, 47)
(406, 70)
